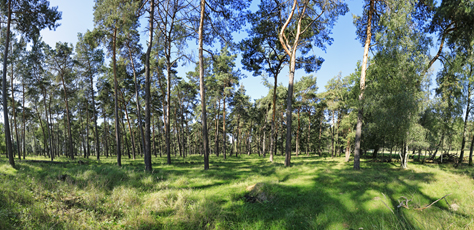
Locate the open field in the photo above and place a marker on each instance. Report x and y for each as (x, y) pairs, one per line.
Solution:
(315, 193)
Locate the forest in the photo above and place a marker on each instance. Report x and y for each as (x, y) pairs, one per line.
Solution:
(114, 122)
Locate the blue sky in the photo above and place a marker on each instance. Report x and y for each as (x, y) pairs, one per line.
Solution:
(341, 56)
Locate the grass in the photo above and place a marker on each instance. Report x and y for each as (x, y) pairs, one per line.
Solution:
(315, 193)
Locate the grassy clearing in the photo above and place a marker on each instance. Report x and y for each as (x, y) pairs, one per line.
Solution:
(315, 193)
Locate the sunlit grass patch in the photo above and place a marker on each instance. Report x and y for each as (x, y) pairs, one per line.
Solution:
(315, 193)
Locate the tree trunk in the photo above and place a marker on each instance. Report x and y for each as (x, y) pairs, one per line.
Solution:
(87, 131)
(202, 88)
(308, 150)
(42, 127)
(216, 140)
(125, 138)
(333, 134)
(179, 144)
(362, 86)
(289, 109)
(463, 142)
(470, 151)
(238, 150)
(320, 132)
(273, 133)
(129, 129)
(148, 165)
(298, 134)
(14, 116)
(94, 114)
(117, 125)
(348, 147)
(24, 121)
(106, 134)
(6, 123)
(47, 124)
(50, 130)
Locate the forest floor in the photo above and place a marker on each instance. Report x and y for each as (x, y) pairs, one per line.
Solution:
(314, 193)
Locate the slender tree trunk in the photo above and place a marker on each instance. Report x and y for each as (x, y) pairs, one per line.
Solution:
(125, 139)
(42, 127)
(308, 150)
(348, 147)
(94, 114)
(87, 131)
(320, 133)
(148, 165)
(463, 142)
(106, 134)
(205, 140)
(333, 133)
(50, 130)
(153, 135)
(14, 115)
(470, 151)
(298, 134)
(273, 131)
(117, 125)
(47, 124)
(129, 128)
(362, 86)
(178, 138)
(24, 121)
(289, 109)
(6, 123)
(238, 150)
(216, 140)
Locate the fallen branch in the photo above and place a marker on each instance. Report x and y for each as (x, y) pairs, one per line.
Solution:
(402, 204)
(427, 206)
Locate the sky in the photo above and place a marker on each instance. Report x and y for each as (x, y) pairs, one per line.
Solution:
(340, 57)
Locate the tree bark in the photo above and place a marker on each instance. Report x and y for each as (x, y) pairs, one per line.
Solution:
(205, 140)
(273, 132)
(148, 165)
(298, 134)
(463, 142)
(87, 131)
(6, 123)
(216, 140)
(362, 86)
(117, 122)
(224, 136)
(308, 150)
(24, 121)
(470, 151)
(94, 114)
(14, 115)
(348, 148)
(47, 123)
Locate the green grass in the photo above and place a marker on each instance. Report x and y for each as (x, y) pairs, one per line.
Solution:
(315, 193)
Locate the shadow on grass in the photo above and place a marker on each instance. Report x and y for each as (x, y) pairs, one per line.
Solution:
(333, 197)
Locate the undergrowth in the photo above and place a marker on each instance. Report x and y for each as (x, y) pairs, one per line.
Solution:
(315, 193)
